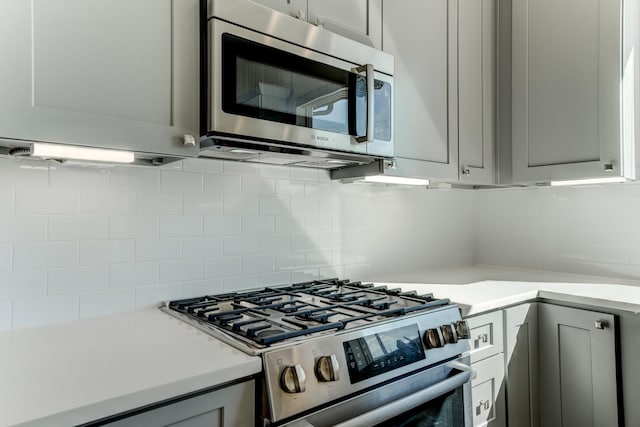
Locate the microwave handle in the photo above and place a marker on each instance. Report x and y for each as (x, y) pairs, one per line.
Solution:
(407, 403)
(368, 70)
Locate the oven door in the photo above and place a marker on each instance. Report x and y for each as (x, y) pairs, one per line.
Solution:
(272, 90)
(436, 396)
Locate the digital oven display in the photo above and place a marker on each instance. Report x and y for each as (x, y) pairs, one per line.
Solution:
(382, 352)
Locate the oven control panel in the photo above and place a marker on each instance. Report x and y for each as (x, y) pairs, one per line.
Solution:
(311, 373)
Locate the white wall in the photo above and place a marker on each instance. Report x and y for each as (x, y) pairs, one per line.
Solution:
(592, 230)
(80, 242)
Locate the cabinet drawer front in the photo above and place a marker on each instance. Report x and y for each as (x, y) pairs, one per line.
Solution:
(487, 391)
(486, 335)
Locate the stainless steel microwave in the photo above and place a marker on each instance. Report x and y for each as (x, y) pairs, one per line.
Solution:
(280, 90)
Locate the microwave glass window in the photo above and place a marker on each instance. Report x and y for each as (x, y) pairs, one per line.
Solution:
(270, 84)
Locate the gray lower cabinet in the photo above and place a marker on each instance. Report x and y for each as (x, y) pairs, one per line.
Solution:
(521, 353)
(107, 73)
(232, 406)
(577, 367)
(487, 359)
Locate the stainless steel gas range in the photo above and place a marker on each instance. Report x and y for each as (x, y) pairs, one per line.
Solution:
(341, 353)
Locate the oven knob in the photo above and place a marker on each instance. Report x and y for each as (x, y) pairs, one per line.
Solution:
(433, 338)
(462, 328)
(292, 379)
(449, 333)
(327, 368)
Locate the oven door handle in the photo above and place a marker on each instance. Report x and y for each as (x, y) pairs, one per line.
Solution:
(414, 400)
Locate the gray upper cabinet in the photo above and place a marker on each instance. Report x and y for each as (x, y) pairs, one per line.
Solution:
(105, 73)
(444, 78)
(476, 94)
(577, 367)
(574, 74)
(359, 20)
(420, 34)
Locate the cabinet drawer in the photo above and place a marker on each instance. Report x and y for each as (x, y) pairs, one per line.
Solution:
(486, 335)
(487, 391)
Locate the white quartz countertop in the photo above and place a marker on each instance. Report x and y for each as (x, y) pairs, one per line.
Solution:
(81, 371)
(481, 297)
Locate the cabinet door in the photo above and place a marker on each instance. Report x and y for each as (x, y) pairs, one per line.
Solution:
(357, 19)
(577, 367)
(476, 59)
(566, 89)
(487, 392)
(521, 353)
(107, 73)
(421, 34)
(297, 8)
(231, 406)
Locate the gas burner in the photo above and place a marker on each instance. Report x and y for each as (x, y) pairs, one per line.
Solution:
(279, 314)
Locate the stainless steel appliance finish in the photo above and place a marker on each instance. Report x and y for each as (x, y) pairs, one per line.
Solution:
(352, 347)
(283, 91)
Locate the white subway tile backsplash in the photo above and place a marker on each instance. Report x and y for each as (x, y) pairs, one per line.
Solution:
(6, 200)
(5, 315)
(290, 260)
(201, 287)
(222, 266)
(257, 186)
(258, 225)
(304, 206)
(103, 303)
(275, 243)
(241, 205)
(240, 245)
(289, 224)
(276, 278)
(150, 296)
(159, 203)
(286, 187)
(304, 275)
(93, 252)
(202, 165)
(77, 227)
(133, 226)
(181, 225)
(201, 247)
(318, 189)
(223, 184)
(158, 249)
(181, 270)
(233, 284)
(222, 225)
(304, 241)
(23, 228)
(252, 264)
(40, 311)
(241, 168)
(78, 177)
(134, 178)
(22, 284)
(328, 206)
(6, 256)
(318, 258)
(25, 173)
(180, 182)
(202, 204)
(317, 222)
(76, 280)
(32, 256)
(304, 173)
(107, 202)
(45, 201)
(133, 274)
(275, 205)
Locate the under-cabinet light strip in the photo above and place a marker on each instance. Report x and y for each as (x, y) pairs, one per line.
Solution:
(588, 181)
(61, 151)
(383, 179)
